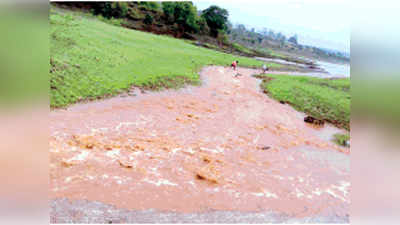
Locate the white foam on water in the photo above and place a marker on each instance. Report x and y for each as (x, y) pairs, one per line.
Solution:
(332, 193)
(121, 180)
(317, 192)
(218, 150)
(278, 177)
(299, 194)
(160, 182)
(124, 124)
(175, 150)
(80, 157)
(113, 153)
(266, 193)
(190, 150)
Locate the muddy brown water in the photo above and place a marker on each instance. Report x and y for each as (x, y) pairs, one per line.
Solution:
(221, 146)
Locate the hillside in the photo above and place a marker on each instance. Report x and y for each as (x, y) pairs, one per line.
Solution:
(277, 45)
(151, 17)
(91, 58)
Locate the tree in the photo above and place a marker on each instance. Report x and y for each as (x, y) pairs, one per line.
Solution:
(182, 13)
(293, 39)
(216, 18)
(241, 27)
(271, 34)
(203, 27)
(169, 9)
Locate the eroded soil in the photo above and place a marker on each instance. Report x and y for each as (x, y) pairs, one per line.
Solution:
(224, 146)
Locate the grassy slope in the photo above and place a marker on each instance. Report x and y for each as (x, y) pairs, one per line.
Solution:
(321, 98)
(91, 58)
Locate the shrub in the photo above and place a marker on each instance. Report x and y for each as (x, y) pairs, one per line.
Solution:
(148, 20)
(150, 5)
(111, 9)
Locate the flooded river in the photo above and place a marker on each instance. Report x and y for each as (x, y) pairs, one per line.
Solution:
(223, 146)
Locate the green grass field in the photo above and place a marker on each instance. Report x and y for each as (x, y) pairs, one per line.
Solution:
(91, 58)
(323, 99)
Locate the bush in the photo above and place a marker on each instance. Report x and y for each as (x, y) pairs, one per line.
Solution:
(111, 9)
(150, 5)
(148, 20)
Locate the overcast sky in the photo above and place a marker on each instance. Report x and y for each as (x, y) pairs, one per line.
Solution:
(322, 23)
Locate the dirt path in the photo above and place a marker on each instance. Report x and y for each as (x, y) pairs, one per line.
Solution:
(223, 146)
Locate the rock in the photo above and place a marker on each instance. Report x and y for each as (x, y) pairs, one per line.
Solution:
(125, 163)
(108, 147)
(310, 119)
(208, 173)
(67, 163)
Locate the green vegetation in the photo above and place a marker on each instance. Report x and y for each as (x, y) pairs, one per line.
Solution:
(177, 19)
(216, 18)
(184, 14)
(341, 139)
(274, 54)
(110, 9)
(155, 6)
(266, 39)
(91, 59)
(324, 99)
(241, 48)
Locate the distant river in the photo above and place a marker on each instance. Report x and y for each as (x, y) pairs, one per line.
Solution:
(339, 70)
(333, 69)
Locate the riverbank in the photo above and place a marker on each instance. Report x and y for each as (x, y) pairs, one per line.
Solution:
(324, 99)
(91, 59)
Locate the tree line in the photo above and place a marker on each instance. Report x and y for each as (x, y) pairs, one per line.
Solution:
(184, 18)
(212, 21)
(267, 38)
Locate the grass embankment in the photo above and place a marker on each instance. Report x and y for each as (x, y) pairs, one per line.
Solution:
(323, 99)
(91, 58)
(341, 139)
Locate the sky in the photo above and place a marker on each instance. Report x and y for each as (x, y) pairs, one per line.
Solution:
(321, 23)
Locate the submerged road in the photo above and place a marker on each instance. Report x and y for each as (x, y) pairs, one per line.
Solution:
(221, 152)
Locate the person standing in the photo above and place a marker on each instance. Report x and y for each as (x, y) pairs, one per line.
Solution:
(234, 64)
(265, 68)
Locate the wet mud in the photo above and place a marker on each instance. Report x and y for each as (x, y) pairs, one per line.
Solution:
(224, 146)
